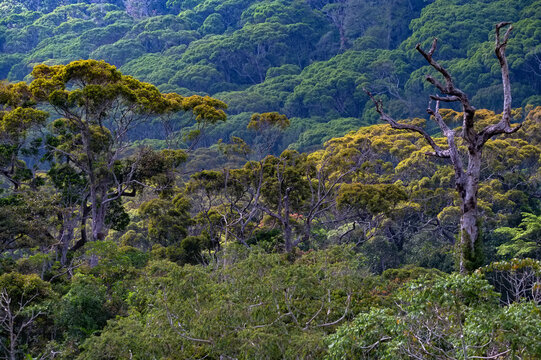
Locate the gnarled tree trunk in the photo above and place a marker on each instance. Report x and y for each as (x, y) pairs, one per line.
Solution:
(469, 221)
(466, 179)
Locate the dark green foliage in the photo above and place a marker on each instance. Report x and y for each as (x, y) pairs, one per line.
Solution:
(116, 217)
(25, 307)
(269, 240)
(82, 310)
(304, 59)
(523, 240)
(23, 223)
(213, 24)
(167, 219)
(188, 251)
(189, 236)
(465, 304)
(68, 180)
(173, 292)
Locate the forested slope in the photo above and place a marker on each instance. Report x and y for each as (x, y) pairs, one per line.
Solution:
(306, 59)
(190, 179)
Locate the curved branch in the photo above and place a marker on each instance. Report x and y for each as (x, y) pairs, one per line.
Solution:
(449, 134)
(504, 125)
(438, 152)
(444, 98)
(500, 54)
(10, 178)
(348, 302)
(454, 93)
(449, 88)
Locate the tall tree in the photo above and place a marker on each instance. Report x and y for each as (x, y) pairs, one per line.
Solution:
(268, 128)
(22, 302)
(466, 176)
(98, 107)
(18, 118)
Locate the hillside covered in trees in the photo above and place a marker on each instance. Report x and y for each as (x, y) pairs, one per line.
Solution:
(286, 179)
(306, 59)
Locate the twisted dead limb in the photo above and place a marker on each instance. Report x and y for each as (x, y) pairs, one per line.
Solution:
(466, 177)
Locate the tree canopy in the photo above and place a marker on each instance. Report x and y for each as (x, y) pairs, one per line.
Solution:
(211, 179)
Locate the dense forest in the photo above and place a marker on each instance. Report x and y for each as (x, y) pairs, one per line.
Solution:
(272, 179)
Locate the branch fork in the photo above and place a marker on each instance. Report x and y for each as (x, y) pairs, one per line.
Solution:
(466, 178)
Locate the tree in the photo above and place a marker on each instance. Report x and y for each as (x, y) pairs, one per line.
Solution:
(284, 189)
(137, 9)
(268, 127)
(474, 139)
(17, 119)
(443, 317)
(167, 219)
(517, 280)
(25, 221)
(207, 111)
(21, 303)
(98, 107)
(227, 202)
(367, 201)
(99, 98)
(270, 308)
(336, 12)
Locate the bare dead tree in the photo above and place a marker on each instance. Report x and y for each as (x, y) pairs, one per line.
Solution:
(516, 279)
(14, 320)
(466, 175)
